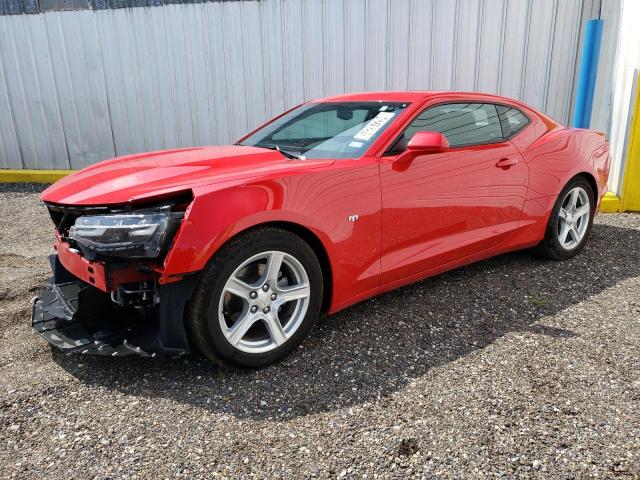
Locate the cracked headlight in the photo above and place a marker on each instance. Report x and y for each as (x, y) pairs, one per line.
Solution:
(128, 235)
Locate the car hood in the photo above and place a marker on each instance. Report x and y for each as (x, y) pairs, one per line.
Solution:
(157, 174)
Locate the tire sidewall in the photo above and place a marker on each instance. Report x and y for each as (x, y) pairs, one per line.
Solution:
(552, 228)
(270, 241)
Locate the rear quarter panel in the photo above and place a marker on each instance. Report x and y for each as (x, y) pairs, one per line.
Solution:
(553, 159)
(563, 153)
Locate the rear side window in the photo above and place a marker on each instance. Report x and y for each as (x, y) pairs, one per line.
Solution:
(512, 120)
(463, 124)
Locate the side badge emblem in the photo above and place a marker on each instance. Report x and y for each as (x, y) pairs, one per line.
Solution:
(353, 218)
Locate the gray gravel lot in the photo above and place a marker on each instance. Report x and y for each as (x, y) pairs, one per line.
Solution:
(513, 367)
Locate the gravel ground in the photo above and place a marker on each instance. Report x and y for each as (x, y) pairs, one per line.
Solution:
(513, 367)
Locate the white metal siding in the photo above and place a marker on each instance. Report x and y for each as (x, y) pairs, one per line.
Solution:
(77, 87)
(617, 90)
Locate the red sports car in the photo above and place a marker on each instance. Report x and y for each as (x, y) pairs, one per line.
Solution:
(232, 251)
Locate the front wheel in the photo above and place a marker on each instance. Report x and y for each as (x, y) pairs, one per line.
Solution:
(257, 300)
(570, 221)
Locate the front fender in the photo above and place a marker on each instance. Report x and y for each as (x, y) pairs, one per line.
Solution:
(216, 217)
(341, 205)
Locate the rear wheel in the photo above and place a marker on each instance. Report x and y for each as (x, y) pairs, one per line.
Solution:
(570, 221)
(257, 300)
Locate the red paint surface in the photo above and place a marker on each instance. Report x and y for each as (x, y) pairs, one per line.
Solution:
(417, 217)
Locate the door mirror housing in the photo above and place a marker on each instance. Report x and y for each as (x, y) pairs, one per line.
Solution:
(428, 142)
(422, 143)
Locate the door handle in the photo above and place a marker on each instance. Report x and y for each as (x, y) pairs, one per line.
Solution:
(505, 163)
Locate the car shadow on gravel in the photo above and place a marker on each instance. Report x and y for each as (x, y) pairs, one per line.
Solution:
(374, 348)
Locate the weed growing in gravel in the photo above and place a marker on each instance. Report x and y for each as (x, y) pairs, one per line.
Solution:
(537, 300)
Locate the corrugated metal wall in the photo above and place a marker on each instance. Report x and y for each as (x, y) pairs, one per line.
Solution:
(80, 86)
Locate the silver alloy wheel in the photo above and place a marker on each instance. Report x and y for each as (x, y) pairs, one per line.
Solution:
(264, 302)
(574, 217)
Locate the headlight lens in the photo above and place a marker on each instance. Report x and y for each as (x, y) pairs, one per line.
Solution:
(129, 235)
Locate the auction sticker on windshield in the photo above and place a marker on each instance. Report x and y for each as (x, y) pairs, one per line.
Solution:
(375, 124)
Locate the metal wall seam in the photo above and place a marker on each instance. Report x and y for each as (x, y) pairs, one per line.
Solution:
(539, 51)
(525, 51)
(551, 54)
(565, 40)
(9, 142)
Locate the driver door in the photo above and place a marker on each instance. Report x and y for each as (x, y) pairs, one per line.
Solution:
(442, 207)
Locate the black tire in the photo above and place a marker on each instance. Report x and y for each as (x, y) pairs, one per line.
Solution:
(203, 321)
(550, 247)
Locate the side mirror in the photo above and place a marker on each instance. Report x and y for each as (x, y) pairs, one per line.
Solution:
(422, 143)
(428, 142)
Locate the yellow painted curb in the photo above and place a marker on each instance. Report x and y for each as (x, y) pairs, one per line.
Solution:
(33, 176)
(610, 203)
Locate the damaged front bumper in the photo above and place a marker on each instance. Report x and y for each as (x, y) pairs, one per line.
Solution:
(76, 317)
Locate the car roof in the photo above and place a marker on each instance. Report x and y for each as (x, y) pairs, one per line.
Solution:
(377, 96)
(415, 96)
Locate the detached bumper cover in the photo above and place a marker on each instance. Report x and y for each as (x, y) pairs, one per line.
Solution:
(57, 318)
(78, 318)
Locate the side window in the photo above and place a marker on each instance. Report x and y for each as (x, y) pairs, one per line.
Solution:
(324, 124)
(462, 123)
(512, 120)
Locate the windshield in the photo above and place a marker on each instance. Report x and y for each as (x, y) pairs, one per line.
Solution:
(327, 130)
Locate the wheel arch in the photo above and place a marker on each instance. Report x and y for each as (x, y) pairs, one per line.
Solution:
(546, 246)
(586, 176)
(313, 240)
(592, 182)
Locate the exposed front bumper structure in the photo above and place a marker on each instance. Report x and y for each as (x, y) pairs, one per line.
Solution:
(76, 317)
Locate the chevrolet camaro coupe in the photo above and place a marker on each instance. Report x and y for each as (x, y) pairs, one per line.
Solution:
(232, 251)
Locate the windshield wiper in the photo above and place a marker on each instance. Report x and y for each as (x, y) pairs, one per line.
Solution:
(286, 153)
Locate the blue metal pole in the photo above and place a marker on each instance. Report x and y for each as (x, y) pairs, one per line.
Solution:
(588, 73)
